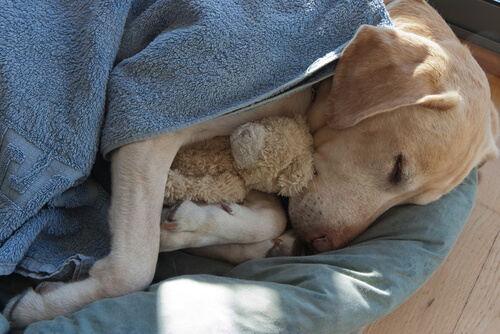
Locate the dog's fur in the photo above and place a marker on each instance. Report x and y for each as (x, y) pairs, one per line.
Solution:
(408, 116)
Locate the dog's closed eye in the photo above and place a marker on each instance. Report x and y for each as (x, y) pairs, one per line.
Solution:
(397, 175)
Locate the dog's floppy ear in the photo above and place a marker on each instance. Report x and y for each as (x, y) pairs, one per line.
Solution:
(382, 69)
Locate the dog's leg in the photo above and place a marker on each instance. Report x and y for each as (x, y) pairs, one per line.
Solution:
(260, 217)
(138, 181)
(286, 244)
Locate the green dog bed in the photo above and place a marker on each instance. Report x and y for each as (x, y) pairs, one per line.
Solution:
(334, 292)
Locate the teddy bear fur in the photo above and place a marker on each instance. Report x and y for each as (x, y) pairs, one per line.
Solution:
(272, 155)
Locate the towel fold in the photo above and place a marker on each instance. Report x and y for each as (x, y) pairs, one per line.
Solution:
(154, 67)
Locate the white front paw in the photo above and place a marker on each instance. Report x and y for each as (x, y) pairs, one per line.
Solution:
(190, 224)
(183, 217)
(179, 226)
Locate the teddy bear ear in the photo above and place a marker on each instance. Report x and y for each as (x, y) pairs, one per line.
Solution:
(247, 143)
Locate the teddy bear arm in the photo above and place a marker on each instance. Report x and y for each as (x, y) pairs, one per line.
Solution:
(212, 156)
(177, 185)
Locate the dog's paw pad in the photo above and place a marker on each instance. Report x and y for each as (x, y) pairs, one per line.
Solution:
(287, 244)
(169, 225)
(276, 250)
(225, 206)
(168, 212)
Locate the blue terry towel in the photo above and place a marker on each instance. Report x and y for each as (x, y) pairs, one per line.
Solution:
(155, 66)
(179, 65)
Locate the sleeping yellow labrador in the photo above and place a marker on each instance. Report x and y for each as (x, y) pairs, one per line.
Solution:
(407, 116)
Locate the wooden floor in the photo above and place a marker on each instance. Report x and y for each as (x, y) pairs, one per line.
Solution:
(463, 296)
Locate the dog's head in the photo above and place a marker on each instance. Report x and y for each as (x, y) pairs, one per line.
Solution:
(404, 121)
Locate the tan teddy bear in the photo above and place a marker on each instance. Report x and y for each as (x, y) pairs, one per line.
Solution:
(273, 155)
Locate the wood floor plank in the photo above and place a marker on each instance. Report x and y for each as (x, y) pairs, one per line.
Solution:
(494, 324)
(481, 314)
(488, 190)
(439, 304)
(488, 60)
(489, 187)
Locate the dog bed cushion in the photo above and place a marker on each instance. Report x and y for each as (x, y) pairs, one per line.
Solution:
(334, 292)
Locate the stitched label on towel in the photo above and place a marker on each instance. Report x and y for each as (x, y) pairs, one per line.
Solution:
(29, 177)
